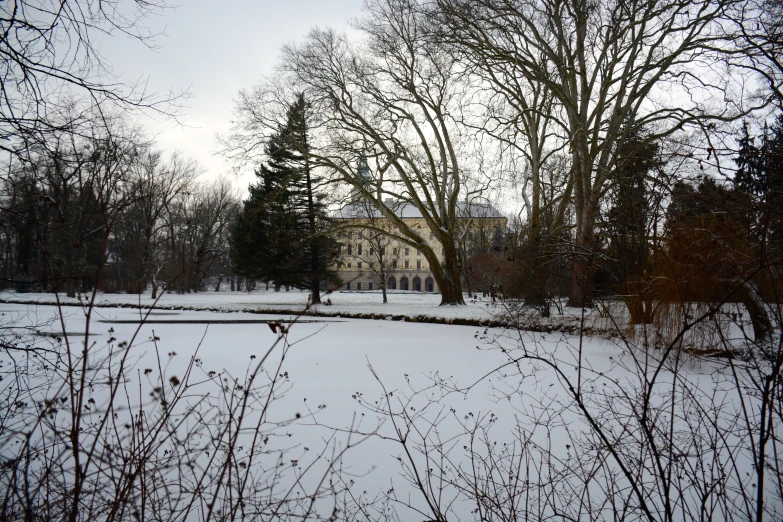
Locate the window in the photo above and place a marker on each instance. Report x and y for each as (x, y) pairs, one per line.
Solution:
(394, 264)
(369, 286)
(372, 251)
(347, 286)
(418, 253)
(358, 286)
(371, 265)
(432, 236)
(407, 251)
(394, 251)
(348, 264)
(407, 264)
(359, 249)
(350, 250)
(350, 235)
(359, 265)
(418, 264)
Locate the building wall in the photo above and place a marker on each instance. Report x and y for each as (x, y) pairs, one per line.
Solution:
(402, 261)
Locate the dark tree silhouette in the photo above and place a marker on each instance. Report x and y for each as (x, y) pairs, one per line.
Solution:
(281, 234)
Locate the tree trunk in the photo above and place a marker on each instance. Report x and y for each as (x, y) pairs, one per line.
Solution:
(315, 292)
(451, 293)
(583, 263)
(315, 285)
(757, 310)
(535, 273)
(450, 285)
(220, 280)
(447, 275)
(580, 285)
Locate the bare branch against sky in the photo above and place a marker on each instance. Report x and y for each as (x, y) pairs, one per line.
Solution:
(214, 49)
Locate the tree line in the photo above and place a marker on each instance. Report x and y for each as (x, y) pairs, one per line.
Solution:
(593, 126)
(110, 211)
(592, 112)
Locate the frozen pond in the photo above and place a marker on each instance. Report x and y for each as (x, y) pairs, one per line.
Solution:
(328, 363)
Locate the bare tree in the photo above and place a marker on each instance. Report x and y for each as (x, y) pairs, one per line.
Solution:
(759, 25)
(369, 243)
(66, 191)
(53, 75)
(611, 68)
(393, 102)
(196, 233)
(155, 185)
(88, 432)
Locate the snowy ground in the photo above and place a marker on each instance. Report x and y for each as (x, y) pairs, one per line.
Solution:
(294, 300)
(419, 305)
(330, 359)
(607, 318)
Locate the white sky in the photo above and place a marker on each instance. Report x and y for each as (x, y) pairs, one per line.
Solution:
(214, 49)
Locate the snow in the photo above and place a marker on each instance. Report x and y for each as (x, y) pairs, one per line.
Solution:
(408, 304)
(418, 306)
(330, 358)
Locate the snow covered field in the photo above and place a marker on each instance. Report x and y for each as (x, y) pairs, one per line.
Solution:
(426, 370)
(400, 303)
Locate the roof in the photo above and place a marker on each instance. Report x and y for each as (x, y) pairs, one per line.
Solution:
(407, 210)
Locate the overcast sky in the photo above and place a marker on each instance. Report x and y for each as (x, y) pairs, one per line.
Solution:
(215, 48)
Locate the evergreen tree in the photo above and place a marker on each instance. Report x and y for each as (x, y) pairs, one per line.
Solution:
(627, 225)
(281, 235)
(760, 175)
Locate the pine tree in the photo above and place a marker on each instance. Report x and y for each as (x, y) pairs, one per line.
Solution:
(627, 224)
(281, 233)
(760, 175)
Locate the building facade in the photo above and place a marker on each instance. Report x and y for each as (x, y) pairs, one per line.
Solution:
(369, 254)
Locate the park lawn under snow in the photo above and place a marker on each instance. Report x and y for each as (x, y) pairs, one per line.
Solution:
(415, 305)
(409, 304)
(329, 364)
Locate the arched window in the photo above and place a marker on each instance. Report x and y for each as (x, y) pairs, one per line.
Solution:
(429, 285)
(403, 283)
(417, 284)
(391, 284)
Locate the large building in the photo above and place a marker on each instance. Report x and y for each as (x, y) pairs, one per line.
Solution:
(368, 256)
